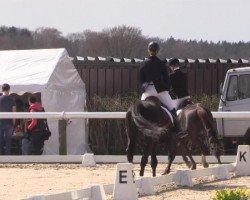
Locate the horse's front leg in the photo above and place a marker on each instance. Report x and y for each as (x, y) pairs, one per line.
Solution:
(218, 158)
(193, 165)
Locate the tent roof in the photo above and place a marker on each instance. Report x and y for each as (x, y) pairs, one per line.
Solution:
(28, 69)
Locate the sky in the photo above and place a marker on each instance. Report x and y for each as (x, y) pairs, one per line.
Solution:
(211, 20)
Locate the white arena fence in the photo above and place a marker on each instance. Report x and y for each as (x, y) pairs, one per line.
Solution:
(98, 158)
(101, 115)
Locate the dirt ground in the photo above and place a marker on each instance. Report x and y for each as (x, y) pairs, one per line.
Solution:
(23, 180)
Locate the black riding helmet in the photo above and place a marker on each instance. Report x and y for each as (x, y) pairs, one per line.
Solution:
(153, 47)
(174, 61)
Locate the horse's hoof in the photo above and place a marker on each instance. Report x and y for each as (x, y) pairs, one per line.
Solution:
(205, 165)
(165, 172)
(189, 164)
(193, 167)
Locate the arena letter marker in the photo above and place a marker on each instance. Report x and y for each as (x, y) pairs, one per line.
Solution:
(125, 187)
(88, 160)
(243, 160)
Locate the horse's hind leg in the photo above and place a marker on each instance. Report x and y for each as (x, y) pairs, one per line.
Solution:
(204, 152)
(154, 160)
(130, 151)
(132, 135)
(145, 155)
(204, 161)
(171, 156)
(187, 162)
(186, 152)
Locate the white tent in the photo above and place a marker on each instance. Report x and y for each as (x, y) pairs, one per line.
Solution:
(50, 72)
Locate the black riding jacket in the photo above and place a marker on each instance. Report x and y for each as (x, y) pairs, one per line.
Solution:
(154, 70)
(179, 83)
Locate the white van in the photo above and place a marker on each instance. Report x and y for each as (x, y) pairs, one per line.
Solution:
(235, 96)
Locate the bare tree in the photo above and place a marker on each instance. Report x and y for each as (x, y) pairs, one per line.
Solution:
(125, 41)
(48, 38)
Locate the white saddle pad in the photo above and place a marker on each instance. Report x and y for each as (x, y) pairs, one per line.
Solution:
(179, 111)
(169, 114)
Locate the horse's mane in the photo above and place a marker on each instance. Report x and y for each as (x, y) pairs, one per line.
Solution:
(149, 118)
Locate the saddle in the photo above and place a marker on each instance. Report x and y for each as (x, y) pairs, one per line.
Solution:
(185, 103)
(154, 99)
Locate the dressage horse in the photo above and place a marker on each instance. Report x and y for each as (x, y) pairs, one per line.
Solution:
(148, 122)
(197, 121)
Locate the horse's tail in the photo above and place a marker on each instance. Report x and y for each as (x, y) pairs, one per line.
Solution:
(148, 118)
(131, 129)
(206, 118)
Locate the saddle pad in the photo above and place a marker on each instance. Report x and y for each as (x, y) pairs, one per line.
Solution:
(178, 112)
(169, 114)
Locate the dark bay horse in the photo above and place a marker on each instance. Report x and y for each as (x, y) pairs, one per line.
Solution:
(197, 121)
(146, 121)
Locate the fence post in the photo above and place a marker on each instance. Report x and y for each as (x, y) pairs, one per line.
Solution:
(62, 124)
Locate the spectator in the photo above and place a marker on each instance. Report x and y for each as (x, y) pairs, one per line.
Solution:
(7, 104)
(34, 128)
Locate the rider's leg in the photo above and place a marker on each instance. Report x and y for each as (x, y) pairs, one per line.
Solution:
(167, 101)
(149, 91)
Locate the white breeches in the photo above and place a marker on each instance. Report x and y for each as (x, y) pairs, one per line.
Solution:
(164, 96)
(177, 102)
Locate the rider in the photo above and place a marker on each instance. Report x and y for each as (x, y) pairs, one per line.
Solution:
(179, 83)
(155, 80)
(154, 77)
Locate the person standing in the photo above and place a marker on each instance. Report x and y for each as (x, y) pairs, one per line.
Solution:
(179, 83)
(35, 128)
(7, 104)
(154, 78)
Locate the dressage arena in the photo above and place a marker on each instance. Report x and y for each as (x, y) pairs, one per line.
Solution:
(20, 181)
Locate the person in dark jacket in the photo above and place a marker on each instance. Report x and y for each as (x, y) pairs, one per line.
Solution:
(34, 128)
(7, 104)
(155, 81)
(154, 78)
(178, 80)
